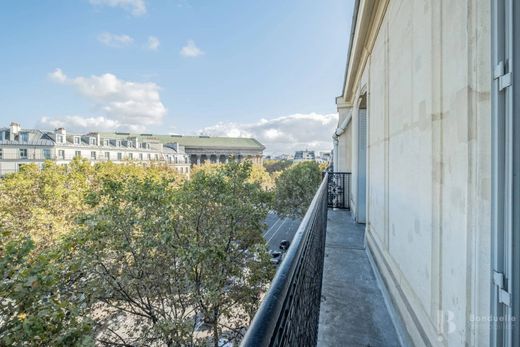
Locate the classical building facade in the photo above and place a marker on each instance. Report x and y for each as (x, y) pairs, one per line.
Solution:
(207, 149)
(429, 126)
(22, 146)
(203, 149)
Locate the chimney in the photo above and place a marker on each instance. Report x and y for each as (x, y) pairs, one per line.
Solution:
(14, 130)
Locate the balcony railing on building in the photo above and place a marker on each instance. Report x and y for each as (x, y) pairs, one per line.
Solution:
(289, 313)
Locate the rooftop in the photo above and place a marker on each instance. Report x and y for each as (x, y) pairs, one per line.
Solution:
(193, 141)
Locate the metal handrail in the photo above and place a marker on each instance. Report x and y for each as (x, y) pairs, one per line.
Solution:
(289, 313)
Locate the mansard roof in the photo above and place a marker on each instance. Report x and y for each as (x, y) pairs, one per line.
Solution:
(201, 141)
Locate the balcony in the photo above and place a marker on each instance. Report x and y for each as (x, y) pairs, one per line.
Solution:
(325, 292)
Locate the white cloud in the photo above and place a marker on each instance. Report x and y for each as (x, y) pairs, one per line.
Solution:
(153, 43)
(135, 7)
(124, 104)
(190, 50)
(80, 123)
(113, 40)
(284, 134)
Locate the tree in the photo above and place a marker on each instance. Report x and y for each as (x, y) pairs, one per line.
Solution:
(295, 188)
(126, 255)
(134, 263)
(273, 166)
(228, 262)
(40, 304)
(260, 175)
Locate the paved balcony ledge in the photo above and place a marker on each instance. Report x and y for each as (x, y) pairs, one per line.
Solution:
(353, 311)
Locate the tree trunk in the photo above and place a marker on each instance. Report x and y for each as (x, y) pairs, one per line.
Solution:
(215, 328)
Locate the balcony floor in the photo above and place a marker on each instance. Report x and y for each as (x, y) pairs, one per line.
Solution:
(353, 311)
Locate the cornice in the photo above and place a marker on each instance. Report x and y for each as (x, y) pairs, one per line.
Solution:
(370, 14)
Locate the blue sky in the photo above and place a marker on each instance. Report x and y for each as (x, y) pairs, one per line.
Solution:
(268, 69)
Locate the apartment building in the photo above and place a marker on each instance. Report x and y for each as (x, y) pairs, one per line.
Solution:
(305, 155)
(429, 128)
(22, 146)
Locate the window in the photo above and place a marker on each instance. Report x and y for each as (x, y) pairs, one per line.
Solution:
(61, 154)
(129, 144)
(23, 153)
(105, 143)
(156, 156)
(118, 143)
(140, 156)
(59, 138)
(92, 141)
(93, 155)
(46, 153)
(1, 153)
(77, 154)
(130, 156)
(107, 155)
(77, 140)
(24, 137)
(119, 156)
(149, 156)
(182, 169)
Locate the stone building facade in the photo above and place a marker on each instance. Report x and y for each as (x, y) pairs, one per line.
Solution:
(208, 149)
(23, 146)
(429, 127)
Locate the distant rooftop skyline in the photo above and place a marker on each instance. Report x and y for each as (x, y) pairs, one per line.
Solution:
(268, 70)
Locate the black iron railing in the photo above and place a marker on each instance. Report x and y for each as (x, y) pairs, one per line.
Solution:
(338, 190)
(289, 313)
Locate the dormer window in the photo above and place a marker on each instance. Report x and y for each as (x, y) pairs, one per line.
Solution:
(24, 137)
(77, 140)
(118, 143)
(129, 144)
(105, 143)
(92, 141)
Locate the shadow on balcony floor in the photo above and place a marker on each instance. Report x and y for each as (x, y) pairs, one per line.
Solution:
(353, 311)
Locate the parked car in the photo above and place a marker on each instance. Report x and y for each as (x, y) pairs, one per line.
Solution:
(276, 257)
(284, 245)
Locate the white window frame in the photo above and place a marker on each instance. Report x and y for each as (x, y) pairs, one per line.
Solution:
(46, 153)
(505, 127)
(23, 156)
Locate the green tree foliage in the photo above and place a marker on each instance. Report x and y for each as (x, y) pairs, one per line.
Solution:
(133, 261)
(224, 212)
(125, 255)
(295, 188)
(44, 203)
(41, 303)
(272, 165)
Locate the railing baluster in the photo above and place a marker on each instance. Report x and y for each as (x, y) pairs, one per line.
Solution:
(338, 190)
(289, 313)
